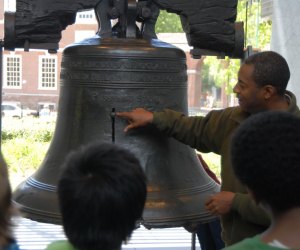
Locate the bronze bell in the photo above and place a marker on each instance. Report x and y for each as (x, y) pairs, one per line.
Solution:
(99, 76)
(105, 74)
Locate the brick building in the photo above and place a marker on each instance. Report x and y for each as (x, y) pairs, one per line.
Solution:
(32, 78)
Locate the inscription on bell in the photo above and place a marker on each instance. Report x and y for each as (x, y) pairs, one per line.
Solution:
(123, 64)
(136, 77)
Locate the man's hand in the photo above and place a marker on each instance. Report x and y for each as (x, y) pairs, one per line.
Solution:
(136, 118)
(220, 203)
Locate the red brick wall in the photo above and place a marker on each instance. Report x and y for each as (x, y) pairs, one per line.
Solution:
(29, 94)
(194, 80)
(1, 19)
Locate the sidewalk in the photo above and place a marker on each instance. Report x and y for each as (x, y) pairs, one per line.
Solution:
(32, 235)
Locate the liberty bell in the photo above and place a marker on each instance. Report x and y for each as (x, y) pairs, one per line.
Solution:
(119, 69)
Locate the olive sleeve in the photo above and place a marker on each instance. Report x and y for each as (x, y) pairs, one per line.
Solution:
(249, 210)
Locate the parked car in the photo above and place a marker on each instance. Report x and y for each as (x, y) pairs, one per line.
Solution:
(9, 109)
(29, 112)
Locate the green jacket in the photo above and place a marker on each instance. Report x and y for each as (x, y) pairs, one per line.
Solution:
(213, 133)
(60, 245)
(253, 244)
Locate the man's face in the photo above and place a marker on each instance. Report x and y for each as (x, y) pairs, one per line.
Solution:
(250, 96)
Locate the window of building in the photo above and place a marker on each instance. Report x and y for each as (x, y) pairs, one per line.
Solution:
(12, 71)
(47, 72)
(86, 17)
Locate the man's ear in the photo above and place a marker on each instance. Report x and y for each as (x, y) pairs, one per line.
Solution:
(269, 91)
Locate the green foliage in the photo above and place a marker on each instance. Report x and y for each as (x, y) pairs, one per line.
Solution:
(221, 71)
(207, 79)
(213, 161)
(35, 135)
(257, 31)
(23, 156)
(168, 23)
(24, 145)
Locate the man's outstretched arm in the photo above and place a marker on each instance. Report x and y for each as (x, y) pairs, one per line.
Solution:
(138, 117)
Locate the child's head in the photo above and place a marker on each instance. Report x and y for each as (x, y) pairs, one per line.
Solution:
(6, 210)
(102, 192)
(265, 155)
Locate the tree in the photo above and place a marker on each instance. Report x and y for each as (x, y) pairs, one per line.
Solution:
(168, 23)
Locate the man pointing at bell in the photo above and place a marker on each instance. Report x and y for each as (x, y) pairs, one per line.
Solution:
(261, 86)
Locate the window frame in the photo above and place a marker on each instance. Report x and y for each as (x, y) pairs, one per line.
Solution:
(6, 71)
(41, 72)
(86, 17)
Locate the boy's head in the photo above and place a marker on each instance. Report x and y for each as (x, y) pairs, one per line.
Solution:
(6, 209)
(265, 154)
(102, 192)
